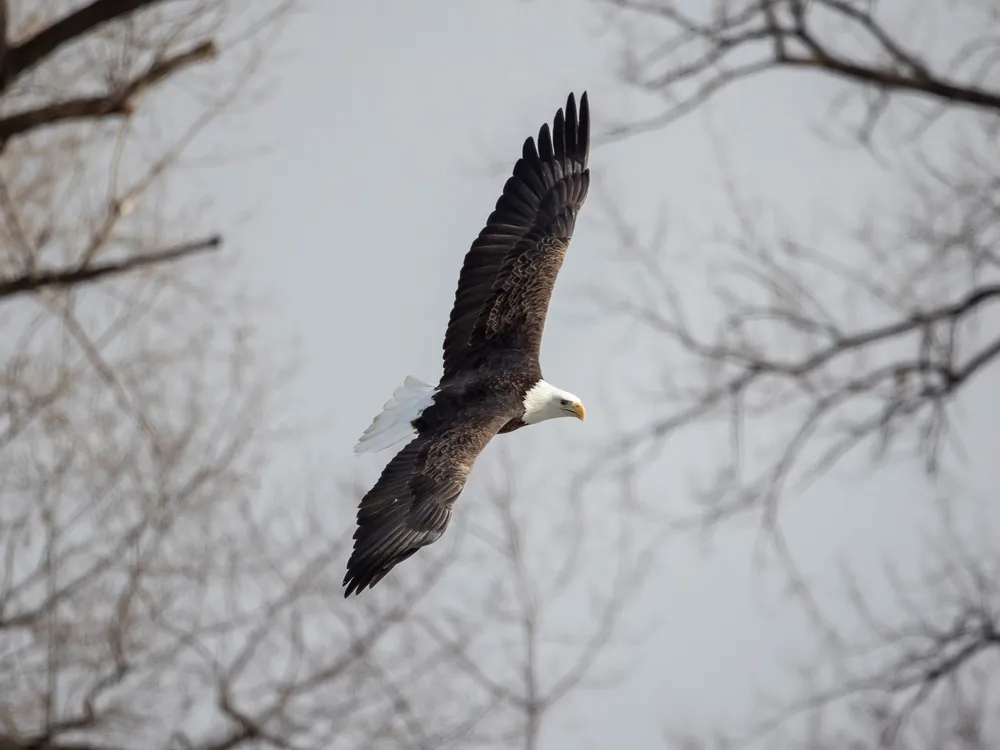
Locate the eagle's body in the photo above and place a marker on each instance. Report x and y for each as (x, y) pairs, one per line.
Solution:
(492, 380)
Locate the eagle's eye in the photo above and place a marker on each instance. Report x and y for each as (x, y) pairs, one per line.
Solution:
(563, 402)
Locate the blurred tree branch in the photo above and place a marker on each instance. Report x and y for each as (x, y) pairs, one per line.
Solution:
(70, 277)
(705, 48)
(19, 58)
(121, 101)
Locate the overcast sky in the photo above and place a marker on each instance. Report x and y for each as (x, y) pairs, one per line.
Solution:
(384, 127)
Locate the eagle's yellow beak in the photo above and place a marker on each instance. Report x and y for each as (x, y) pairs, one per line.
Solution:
(579, 411)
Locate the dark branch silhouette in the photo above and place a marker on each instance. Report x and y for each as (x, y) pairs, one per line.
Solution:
(19, 58)
(708, 47)
(121, 101)
(94, 272)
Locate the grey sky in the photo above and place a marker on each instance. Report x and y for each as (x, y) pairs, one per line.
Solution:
(386, 118)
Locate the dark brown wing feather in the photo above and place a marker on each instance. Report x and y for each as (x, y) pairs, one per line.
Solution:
(410, 505)
(509, 272)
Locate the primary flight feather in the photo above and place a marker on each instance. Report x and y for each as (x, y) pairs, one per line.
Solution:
(492, 381)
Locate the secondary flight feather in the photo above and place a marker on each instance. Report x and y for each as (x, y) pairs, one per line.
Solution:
(492, 380)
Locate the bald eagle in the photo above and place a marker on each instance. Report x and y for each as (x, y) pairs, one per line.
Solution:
(492, 381)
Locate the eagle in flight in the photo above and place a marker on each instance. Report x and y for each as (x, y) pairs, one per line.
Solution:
(492, 381)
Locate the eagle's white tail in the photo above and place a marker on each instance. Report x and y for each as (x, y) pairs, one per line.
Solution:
(393, 424)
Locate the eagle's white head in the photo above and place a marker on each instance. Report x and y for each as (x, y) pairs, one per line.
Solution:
(545, 401)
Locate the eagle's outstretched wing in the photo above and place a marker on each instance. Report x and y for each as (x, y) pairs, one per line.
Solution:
(410, 505)
(509, 272)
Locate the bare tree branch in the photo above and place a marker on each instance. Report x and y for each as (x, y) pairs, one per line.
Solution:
(118, 103)
(24, 56)
(702, 53)
(73, 277)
